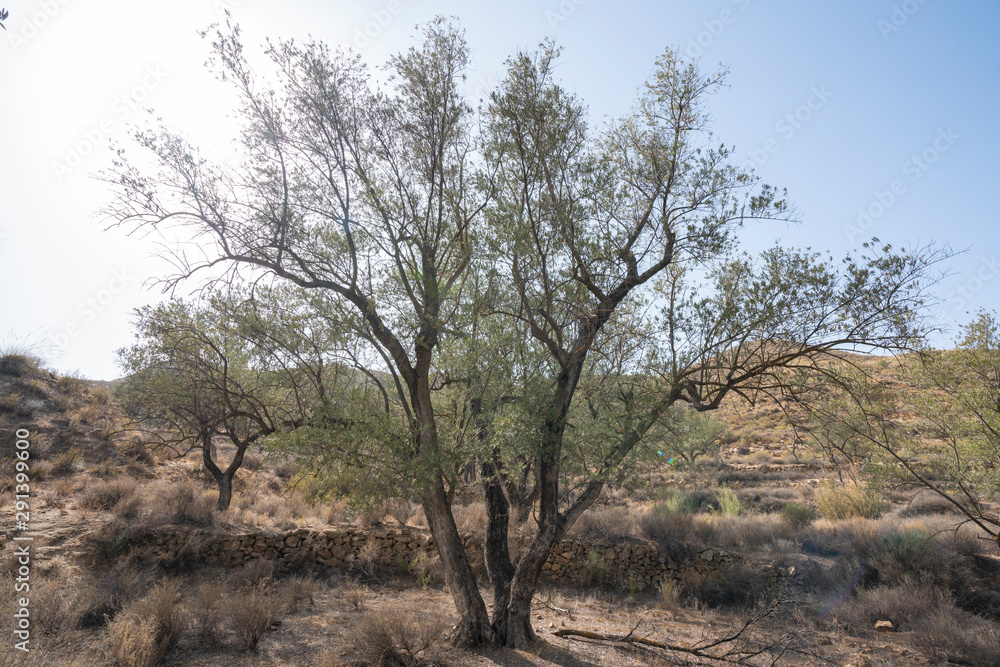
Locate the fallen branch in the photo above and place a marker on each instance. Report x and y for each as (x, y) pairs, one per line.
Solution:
(629, 639)
(548, 603)
(737, 655)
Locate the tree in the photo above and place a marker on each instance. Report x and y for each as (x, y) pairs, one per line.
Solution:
(602, 239)
(528, 291)
(952, 446)
(189, 382)
(221, 368)
(363, 194)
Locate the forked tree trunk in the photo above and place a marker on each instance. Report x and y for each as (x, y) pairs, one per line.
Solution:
(473, 628)
(224, 478)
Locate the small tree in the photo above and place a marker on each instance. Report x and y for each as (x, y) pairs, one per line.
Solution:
(192, 378)
(689, 434)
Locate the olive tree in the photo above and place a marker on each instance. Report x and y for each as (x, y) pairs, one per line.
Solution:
(500, 273)
(368, 194)
(190, 380)
(605, 235)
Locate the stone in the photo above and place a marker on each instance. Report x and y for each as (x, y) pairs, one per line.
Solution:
(884, 626)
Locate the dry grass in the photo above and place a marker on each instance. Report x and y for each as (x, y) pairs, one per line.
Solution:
(148, 630)
(396, 636)
(297, 590)
(250, 612)
(205, 607)
(471, 519)
(66, 462)
(106, 494)
(354, 595)
(18, 364)
(839, 502)
(606, 524)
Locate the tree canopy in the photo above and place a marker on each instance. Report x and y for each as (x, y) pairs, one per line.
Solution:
(527, 291)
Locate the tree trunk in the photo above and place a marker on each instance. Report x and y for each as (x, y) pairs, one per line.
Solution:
(496, 550)
(473, 628)
(225, 491)
(515, 630)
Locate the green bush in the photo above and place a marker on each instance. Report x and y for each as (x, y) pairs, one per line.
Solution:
(798, 515)
(848, 502)
(729, 503)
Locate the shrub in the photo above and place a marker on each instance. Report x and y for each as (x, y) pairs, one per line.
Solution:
(131, 642)
(673, 501)
(183, 505)
(353, 594)
(672, 530)
(206, 611)
(736, 585)
(147, 631)
(396, 636)
(298, 589)
(65, 463)
(18, 364)
(837, 503)
(729, 502)
(253, 573)
(959, 637)
(606, 524)
(798, 515)
(100, 599)
(250, 612)
(10, 402)
(71, 385)
(105, 495)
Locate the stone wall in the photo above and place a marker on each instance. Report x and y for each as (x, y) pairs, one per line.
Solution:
(632, 564)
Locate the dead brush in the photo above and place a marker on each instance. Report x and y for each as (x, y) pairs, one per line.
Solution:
(106, 494)
(299, 589)
(148, 630)
(250, 612)
(253, 573)
(607, 524)
(182, 504)
(354, 595)
(396, 635)
(65, 463)
(205, 608)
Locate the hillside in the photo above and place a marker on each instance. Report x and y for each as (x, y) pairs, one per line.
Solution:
(101, 594)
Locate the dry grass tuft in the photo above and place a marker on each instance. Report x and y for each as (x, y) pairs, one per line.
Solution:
(106, 494)
(396, 636)
(146, 633)
(607, 524)
(16, 364)
(205, 607)
(837, 503)
(250, 612)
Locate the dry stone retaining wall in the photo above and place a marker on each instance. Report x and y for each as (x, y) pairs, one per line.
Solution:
(634, 564)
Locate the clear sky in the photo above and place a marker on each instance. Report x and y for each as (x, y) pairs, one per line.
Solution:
(879, 116)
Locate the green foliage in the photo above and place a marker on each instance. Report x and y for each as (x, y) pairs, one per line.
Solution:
(690, 435)
(729, 503)
(673, 501)
(839, 502)
(798, 515)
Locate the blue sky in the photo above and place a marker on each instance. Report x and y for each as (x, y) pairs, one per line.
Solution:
(878, 116)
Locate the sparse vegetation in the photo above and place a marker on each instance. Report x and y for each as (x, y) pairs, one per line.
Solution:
(396, 636)
(569, 380)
